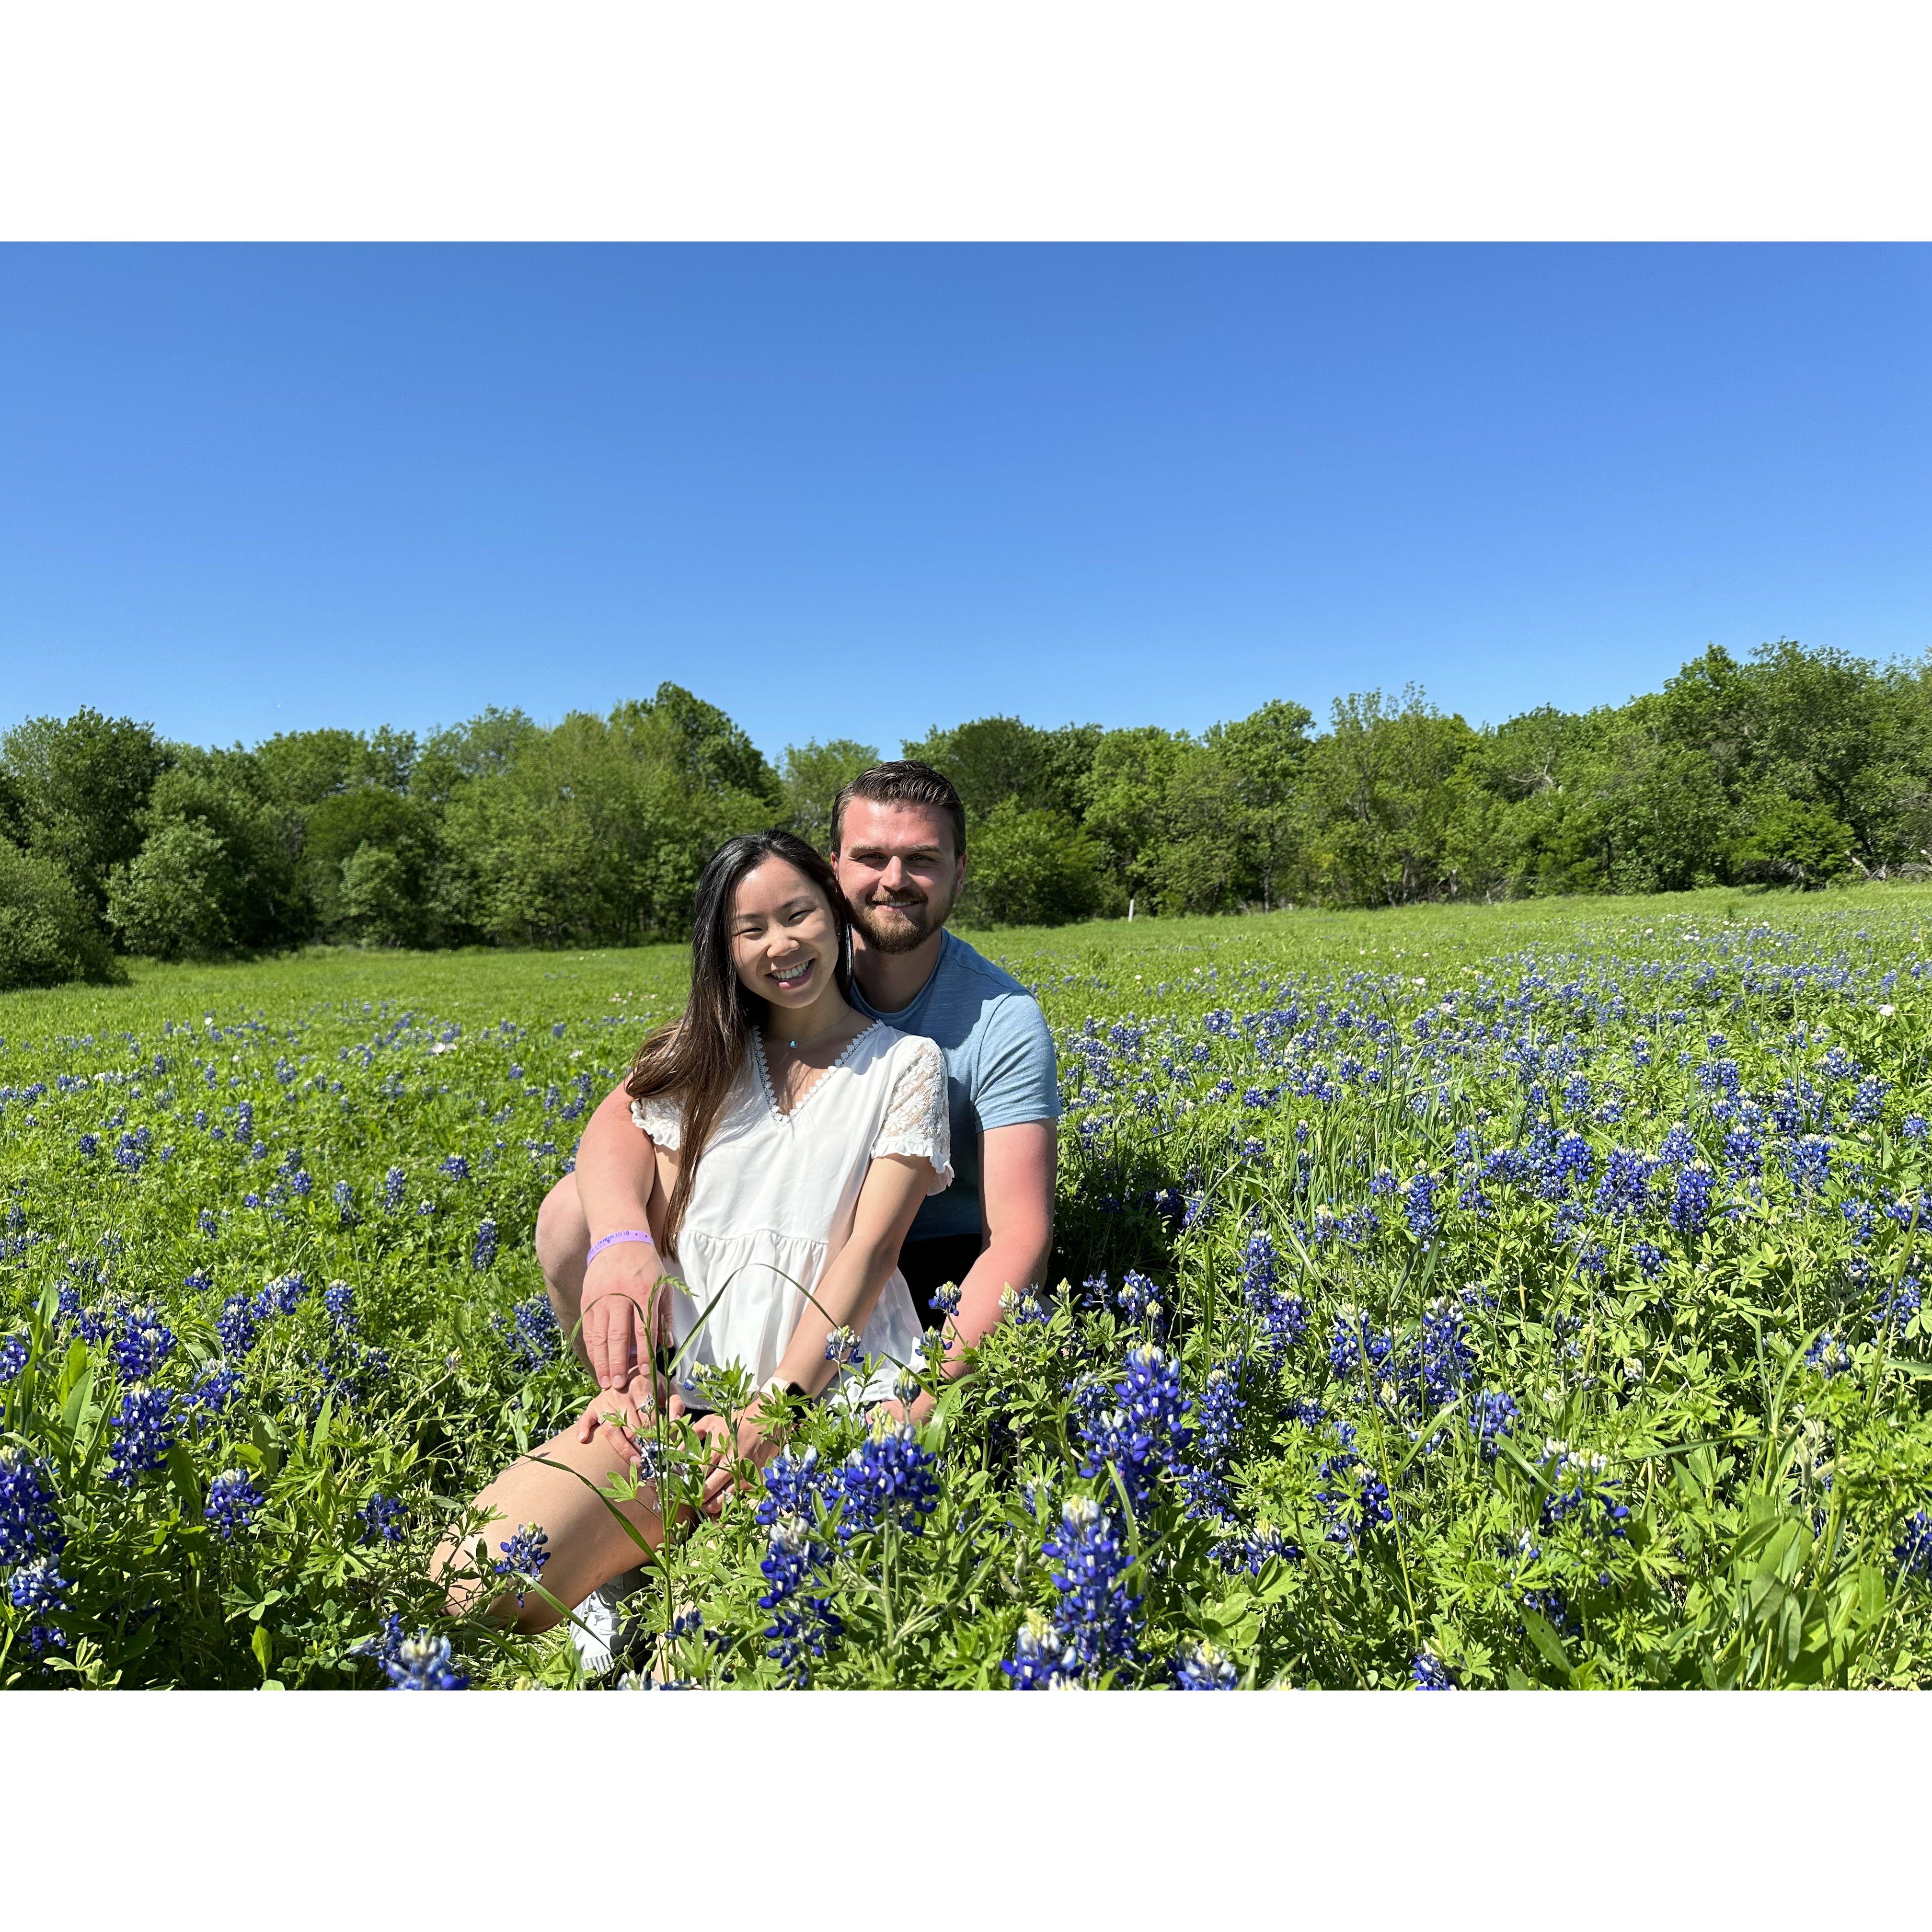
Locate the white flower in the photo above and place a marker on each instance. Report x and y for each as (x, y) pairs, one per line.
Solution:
(1886, 1012)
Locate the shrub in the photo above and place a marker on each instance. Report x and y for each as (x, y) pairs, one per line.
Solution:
(47, 936)
(168, 903)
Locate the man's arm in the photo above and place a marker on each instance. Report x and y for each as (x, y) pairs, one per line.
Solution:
(616, 1170)
(1016, 1175)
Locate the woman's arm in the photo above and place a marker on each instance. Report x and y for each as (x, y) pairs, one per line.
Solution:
(848, 1290)
(616, 1170)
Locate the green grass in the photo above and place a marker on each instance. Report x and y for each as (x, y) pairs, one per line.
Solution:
(1766, 1497)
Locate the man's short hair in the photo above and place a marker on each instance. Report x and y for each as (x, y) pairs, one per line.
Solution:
(904, 782)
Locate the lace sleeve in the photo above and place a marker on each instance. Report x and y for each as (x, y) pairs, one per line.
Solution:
(917, 1121)
(661, 1117)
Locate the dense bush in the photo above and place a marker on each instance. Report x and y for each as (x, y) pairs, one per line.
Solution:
(47, 934)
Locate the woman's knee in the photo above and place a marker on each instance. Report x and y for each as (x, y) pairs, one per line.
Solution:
(563, 1236)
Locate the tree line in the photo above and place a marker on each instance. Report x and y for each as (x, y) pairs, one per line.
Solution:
(1799, 765)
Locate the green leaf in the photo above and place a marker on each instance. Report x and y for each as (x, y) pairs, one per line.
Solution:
(1548, 1643)
(263, 1646)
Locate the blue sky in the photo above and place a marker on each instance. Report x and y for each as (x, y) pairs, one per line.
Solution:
(855, 491)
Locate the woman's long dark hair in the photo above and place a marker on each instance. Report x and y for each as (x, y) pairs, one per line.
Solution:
(695, 1059)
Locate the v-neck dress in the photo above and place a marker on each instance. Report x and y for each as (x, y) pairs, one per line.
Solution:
(773, 1197)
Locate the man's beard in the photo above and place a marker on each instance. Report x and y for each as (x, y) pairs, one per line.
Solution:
(916, 921)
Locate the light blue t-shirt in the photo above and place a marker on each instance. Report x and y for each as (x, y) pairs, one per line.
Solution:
(1000, 1068)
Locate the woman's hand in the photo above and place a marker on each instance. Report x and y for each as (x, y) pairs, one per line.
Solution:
(758, 1443)
(625, 1412)
(626, 1313)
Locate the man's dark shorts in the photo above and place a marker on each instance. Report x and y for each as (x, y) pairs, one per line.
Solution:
(927, 1265)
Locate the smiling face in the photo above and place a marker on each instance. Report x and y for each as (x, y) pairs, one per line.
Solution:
(784, 942)
(898, 870)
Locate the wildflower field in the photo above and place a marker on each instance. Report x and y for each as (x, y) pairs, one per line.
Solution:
(1479, 1297)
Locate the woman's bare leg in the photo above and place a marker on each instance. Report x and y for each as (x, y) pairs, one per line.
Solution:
(588, 1545)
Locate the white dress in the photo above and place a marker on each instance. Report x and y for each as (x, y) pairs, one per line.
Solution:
(773, 1197)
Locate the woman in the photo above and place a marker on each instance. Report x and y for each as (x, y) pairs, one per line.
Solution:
(794, 1141)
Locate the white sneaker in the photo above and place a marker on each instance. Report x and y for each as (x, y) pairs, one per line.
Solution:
(600, 1618)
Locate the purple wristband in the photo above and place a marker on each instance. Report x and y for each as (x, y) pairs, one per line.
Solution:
(609, 1240)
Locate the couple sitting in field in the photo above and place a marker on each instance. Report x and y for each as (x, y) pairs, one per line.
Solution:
(855, 1109)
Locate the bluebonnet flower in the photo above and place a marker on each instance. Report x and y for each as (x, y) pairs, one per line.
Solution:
(1419, 1206)
(484, 1253)
(1690, 1209)
(1649, 1257)
(1583, 1474)
(843, 1346)
(1040, 1660)
(383, 1519)
(282, 1296)
(1678, 1146)
(208, 1224)
(1808, 1162)
(12, 1357)
(1625, 1187)
(524, 1557)
(1252, 1551)
(1142, 1429)
(1097, 1618)
(1869, 1102)
(143, 1434)
(795, 1485)
(1914, 1127)
(1912, 1553)
(236, 1326)
(456, 1166)
(423, 1663)
(1827, 1355)
(212, 1394)
(1202, 1666)
(30, 1525)
(946, 1298)
(1355, 1345)
(1357, 1506)
(1431, 1673)
(1024, 1306)
(1204, 1475)
(1550, 1604)
(1492, 1414)
(38, 1589)
(888, 1479)
(232, 1500)
(803, 1623)
(1897, 1308)
(394, 1182)
(344, 1196)
(90, 1144)
(1437, 1362)
(1743, 1151)
(339, 1299)
(532, 1332)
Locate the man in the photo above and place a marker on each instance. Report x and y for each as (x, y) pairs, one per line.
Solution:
(898, 846)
